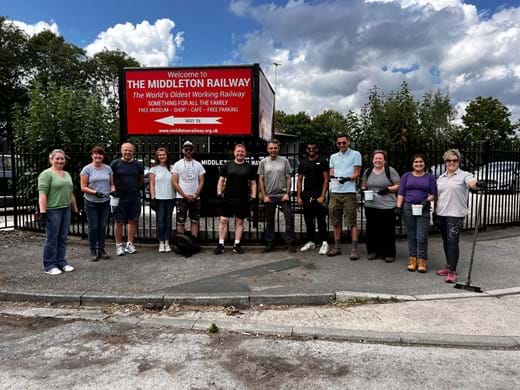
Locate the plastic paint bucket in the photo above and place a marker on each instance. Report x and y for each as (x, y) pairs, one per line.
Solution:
(417, 209)
(369, 195)
(114, 202)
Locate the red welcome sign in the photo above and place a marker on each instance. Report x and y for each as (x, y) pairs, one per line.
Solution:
(188, 101)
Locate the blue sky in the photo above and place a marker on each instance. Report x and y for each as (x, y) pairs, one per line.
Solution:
(331, 52)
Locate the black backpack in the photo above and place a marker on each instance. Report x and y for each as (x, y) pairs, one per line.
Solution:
(185, 245)
(368, 171)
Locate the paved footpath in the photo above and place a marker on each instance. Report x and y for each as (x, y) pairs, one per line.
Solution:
(422, 308)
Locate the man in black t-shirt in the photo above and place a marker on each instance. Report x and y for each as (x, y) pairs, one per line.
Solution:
(128, 181)
(235, 184)
(313, 180)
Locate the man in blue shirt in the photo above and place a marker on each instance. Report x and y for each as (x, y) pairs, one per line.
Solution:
(345, 168)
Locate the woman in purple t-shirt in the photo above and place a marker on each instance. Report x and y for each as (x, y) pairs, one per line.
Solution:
(416, 191)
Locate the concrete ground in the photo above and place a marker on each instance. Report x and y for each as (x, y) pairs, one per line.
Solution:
(418, 305)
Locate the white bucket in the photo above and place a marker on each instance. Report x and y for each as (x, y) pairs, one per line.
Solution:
(369, 195)
(417, 209)
(114, 202)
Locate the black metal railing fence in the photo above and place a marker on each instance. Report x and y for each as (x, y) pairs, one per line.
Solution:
(498, 165)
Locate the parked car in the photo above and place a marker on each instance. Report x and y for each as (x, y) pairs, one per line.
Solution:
(500, 176)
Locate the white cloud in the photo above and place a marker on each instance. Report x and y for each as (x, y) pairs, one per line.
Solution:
(33, 29)
(150, 44)
(333, 52)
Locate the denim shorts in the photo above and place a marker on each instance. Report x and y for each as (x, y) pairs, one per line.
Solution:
(127, 210)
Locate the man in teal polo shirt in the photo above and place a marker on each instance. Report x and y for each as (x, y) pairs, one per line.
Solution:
(345, 168)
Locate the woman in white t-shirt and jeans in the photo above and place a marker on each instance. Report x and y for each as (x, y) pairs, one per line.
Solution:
(162, 195)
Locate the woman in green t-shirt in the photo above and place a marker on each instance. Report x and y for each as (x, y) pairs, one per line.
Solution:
(55, 200)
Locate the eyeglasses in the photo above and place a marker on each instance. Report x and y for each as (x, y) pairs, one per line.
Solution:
(341, 143)
(312, 148)
(188, 149)
(451, 160)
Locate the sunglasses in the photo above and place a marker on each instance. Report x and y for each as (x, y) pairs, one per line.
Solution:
(311, 148)
(188, 149)
(341, 143)
(451, 160)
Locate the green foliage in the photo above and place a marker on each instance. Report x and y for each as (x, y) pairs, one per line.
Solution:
(62, 117)
(55, 61)
(487, 118)
(14, 59)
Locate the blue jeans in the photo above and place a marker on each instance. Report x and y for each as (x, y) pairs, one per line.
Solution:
(163, 217)
(450, 231)
(417, 228)
(97, 216)
(56, 231)
(270, 211)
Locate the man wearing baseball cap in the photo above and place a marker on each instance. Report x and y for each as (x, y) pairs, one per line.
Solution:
(188, 180)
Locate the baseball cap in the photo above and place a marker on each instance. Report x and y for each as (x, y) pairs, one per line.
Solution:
(187, 143)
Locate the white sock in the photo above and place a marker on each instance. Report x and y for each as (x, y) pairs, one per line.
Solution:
(237, 242)
(221, 242)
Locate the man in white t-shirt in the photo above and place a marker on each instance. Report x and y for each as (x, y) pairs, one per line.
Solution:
(188, 179)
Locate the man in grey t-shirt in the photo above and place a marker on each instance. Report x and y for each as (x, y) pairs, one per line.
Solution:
(275, 184)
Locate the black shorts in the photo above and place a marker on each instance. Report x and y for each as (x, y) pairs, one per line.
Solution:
(235, 208)
(184, 207)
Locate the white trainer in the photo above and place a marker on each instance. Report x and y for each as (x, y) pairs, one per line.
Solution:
(68, 268)
(130, 248)
(53, 271)
(161, 246)
(167, 247)
(307, 247)
(324, 248)
(120, 249)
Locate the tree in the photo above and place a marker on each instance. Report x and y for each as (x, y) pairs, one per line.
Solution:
(55, 61)
(297, 124)
(390, 121)
(14, 59)
(104, 70)
(435, 115)
(62, 117)
(487, 118)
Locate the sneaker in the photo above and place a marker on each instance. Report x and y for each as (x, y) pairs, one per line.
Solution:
(120, 249)
(451, 277)
(130, 248)
(167, 247)
(237, 248)
(161, 247)
(94, 255)
(219, 249)
(372, 256)
(334, 252)
(389, 259)
(444, 271)
(53, 271)
(307, 247)
(324, 249)
(102, 254)
(354, 254)
(68, 268)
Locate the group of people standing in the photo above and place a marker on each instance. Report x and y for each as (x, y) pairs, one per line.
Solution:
(388, 196)
(415, 197)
